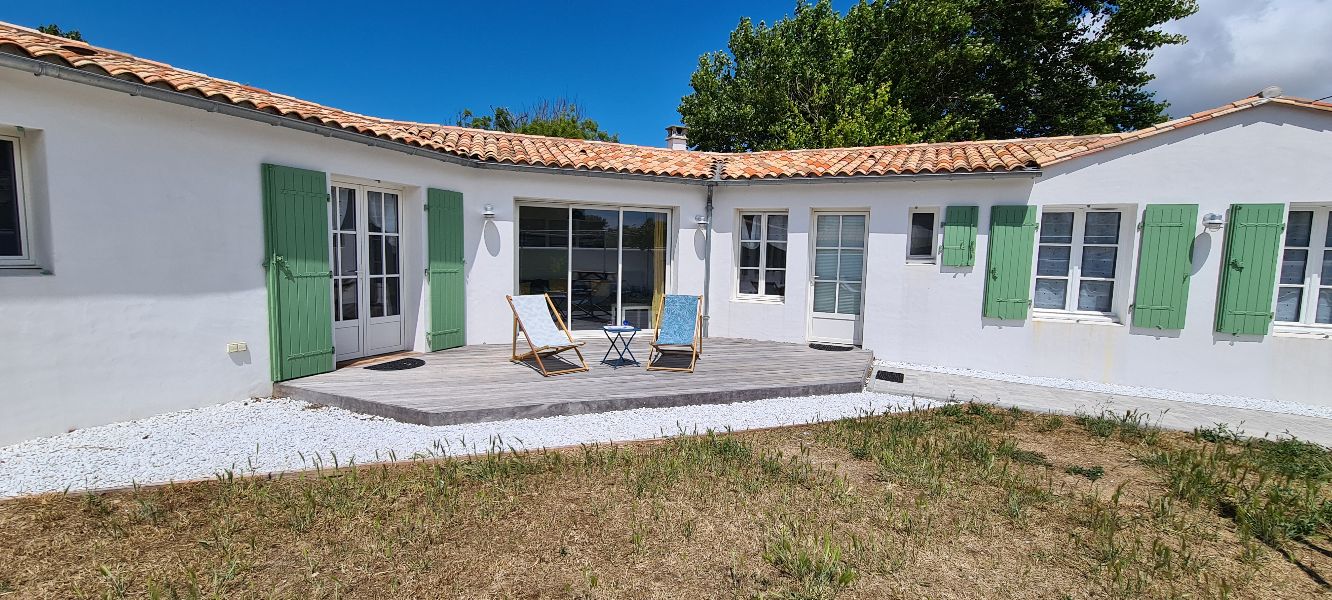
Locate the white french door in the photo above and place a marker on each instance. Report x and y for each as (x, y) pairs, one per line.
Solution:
(367, 270)
(837, 277)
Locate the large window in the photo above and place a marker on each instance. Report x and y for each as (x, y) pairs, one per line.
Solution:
(600, 265)
(762, 264)
(1304, 289)
(14, 242)
(1077, 260)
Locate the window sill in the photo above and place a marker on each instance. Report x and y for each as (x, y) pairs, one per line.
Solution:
(22, 271)
(1302, 331)
(760, 299)
(920, 261)
(1060, 316)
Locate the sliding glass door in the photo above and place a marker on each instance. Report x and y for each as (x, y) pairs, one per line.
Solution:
(600, 265)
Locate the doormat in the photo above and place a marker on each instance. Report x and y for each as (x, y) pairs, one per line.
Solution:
(832, 347)
(401, 364)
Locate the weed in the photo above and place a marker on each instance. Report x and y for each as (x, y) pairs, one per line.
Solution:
(1049, 423)
(1093, 473)
(814, 562)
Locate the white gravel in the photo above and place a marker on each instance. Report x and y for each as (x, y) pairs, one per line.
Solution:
(1289, 408)
(263, 436)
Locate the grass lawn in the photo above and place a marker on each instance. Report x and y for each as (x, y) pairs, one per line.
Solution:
(961, 502)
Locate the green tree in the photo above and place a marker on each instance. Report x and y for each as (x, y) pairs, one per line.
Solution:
(555, 118)
(54, 29)
(903, 71)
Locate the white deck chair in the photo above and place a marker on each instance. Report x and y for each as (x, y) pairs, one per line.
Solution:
(533, 316)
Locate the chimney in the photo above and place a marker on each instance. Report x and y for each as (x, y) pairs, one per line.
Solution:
(677, 137)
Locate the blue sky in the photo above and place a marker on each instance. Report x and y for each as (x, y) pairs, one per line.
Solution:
(628, 63)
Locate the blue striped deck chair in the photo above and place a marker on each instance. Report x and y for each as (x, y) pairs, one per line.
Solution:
(679, 331)
(543, 329)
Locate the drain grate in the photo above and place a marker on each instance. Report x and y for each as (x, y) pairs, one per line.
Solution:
(892, 376)
(402, 364)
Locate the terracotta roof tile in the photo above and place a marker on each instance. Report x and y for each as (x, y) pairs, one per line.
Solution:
(497, 147)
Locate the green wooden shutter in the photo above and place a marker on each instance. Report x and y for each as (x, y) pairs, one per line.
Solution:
(1248, 268)
(1008, 262)
(296, 247)
(448, 299)
(959, 242)
(1165, 260)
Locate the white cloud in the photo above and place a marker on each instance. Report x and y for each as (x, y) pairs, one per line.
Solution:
(1238, 47)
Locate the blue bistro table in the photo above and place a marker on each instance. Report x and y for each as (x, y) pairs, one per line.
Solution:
(619, 344)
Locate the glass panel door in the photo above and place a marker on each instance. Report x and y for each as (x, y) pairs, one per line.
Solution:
(599, 265)
(543, 253)
(838, 272)
(643, 257)
(367, 271)
(594, 268)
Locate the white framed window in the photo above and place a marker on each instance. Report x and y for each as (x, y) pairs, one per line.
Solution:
(922, 235)
(761, 260)
(15, 242)
(1078, 260)
(1304, 284)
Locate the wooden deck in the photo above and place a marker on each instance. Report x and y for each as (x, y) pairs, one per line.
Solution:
(479, 383)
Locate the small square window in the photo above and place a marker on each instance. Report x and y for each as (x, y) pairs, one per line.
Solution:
(922, 235)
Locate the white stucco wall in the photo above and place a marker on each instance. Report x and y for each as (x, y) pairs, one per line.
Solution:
(150, 220)
(148, 217)
(932, 315)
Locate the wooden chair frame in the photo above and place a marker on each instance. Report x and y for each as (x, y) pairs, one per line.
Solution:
(695, 349)
(549, 351)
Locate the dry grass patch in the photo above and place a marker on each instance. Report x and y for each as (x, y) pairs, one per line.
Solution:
(961, 502)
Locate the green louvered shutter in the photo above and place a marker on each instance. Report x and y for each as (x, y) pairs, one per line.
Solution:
(296, 247)
(1248, 268)
(959, 242)
(1008, 262)
(1165, 260)
(448, 300)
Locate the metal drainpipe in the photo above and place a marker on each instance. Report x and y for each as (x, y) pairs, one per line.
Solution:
(707, 246)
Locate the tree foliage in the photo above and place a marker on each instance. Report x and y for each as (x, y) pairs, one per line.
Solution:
(54, 29)
(556, 118)
(903, 71)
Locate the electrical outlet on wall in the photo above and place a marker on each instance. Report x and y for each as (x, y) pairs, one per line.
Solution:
(234, 347)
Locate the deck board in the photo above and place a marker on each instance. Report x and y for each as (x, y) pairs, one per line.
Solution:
(479, 383)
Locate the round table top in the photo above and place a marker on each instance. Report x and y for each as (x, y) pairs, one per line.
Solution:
(619, 328)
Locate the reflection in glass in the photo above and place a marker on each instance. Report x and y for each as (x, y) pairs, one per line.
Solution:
(10, 244)
(594, 268)
(543, 254)
(1288, 304)
(1099, 261)
(1101, 228)
(1052, 260)
(1057, 228)
(1050, 293)
(1095, 295)
(644, 260)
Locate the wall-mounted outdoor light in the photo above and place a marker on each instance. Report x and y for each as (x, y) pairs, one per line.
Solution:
(488, 211)
(1213, 222)
(701, 221)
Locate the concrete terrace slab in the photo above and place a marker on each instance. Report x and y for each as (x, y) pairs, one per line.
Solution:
(1171, 414)
(478, 383)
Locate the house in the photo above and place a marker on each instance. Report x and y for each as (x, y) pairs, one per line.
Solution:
(171, 240)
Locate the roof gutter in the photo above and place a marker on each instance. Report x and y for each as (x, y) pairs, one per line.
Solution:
(43, 68)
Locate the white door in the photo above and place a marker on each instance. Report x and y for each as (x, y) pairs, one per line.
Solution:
(837, 277)
(367, 271)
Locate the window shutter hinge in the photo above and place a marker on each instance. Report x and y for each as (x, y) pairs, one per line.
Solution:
(1140, 224)
(328, 198)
